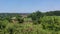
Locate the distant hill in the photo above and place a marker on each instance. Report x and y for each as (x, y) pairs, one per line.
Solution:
(15, 13)
(8, 14)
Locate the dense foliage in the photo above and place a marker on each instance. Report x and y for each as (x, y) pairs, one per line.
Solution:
(48, 25)
(41, 23)
(36, 15)
(51, 22)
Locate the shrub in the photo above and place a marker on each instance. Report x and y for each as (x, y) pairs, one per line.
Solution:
(50, 23)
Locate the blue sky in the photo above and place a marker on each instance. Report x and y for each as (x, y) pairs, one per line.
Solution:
(28, 6)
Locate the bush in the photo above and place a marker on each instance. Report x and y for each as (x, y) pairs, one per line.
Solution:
(50, 23)
(20, 20)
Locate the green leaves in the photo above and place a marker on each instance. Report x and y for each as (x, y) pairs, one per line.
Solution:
(36, 16)
(51, 22)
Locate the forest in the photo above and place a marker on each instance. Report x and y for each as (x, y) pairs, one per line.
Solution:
(30, 23)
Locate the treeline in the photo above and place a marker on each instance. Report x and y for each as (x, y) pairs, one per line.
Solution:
(53, 13)
(49, 13)
(35, 16)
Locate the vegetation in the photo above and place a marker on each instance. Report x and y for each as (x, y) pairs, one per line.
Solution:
(35, 23)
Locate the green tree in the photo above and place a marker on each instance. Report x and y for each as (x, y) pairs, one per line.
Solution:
(35, 16)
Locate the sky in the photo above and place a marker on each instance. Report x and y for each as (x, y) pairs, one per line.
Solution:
(28, 6)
